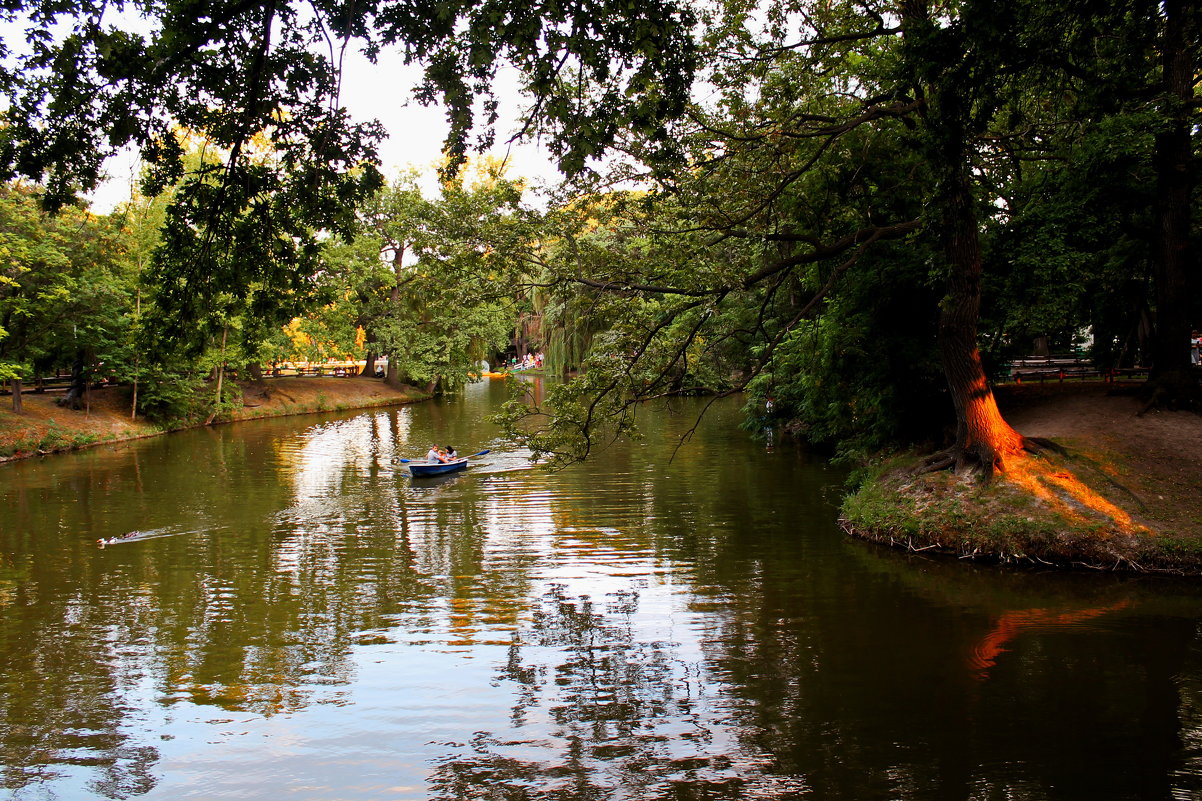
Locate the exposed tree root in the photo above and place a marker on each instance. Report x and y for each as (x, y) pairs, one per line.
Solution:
(982, 460)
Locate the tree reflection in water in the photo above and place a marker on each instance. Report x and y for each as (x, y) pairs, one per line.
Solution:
(618, 718)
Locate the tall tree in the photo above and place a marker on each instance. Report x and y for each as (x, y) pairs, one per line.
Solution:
(1176, 166)
(429, 279)
(65, 289)
(806, 157)
(259, 83)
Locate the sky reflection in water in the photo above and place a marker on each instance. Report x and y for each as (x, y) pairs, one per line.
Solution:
(302, 619)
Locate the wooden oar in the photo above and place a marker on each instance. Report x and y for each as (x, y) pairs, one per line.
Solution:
(407, 461)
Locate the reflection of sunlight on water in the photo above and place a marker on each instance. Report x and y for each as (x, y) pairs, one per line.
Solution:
(1010, 625)
(606, 700)
(626, 629)
(542, 642)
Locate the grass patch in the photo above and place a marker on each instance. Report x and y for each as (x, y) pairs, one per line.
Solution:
(53, 438)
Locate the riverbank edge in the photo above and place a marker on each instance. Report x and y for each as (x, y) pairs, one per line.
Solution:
(1000, 522)
(45, 428)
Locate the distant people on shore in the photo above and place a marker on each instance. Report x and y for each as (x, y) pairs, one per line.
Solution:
(530, 361)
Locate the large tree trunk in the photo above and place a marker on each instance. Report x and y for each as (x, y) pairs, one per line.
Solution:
(369, 366)
(1171, 372)
(393, 377)
(18, 406)
(984, 440)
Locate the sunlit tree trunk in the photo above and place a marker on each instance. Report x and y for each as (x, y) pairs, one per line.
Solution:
(983, 438)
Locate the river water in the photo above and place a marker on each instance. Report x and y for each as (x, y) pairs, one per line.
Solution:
(297, 618)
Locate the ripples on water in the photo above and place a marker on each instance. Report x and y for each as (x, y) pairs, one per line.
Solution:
(297, 617)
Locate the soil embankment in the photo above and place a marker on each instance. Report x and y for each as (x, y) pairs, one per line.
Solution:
(45, 427)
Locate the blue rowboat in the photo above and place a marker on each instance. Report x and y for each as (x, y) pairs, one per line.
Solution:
(436, 468)
(420, 467)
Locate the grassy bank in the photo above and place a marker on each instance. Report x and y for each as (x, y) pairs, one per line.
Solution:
(45, 427)
(1126, 494)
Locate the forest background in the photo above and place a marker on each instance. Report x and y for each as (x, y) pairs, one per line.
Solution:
(860, 211)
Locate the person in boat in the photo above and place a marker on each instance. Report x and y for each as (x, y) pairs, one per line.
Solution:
(451, 454)
(434, 455)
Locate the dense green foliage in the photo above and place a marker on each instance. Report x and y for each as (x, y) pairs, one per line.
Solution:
(257, 84)
(856, 198)
(863, 178)
(65, 290)
(432, 281)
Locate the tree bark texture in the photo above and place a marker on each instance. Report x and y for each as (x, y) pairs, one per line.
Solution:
(74, 399)
(369, 366)
(393, 377)
(983, 438)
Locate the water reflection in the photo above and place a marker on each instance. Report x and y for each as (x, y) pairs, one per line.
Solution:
(300, 618)
(601, 712)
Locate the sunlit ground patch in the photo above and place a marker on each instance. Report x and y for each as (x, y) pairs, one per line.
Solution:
(1065, 492)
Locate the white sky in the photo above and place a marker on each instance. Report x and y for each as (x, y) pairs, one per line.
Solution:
(416, 133)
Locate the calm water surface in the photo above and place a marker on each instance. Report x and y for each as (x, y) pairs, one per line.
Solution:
(299, 619)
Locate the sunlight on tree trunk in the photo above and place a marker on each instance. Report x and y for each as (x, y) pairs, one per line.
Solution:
(984, 440)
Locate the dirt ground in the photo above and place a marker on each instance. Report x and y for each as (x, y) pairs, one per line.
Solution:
(1159, 453)
(44, 426)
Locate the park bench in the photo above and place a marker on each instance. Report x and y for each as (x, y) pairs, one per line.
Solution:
(1062, 367)
(1057, 367)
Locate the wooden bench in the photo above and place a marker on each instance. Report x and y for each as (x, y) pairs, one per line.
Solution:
(1062, 367)
(1057, 367)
